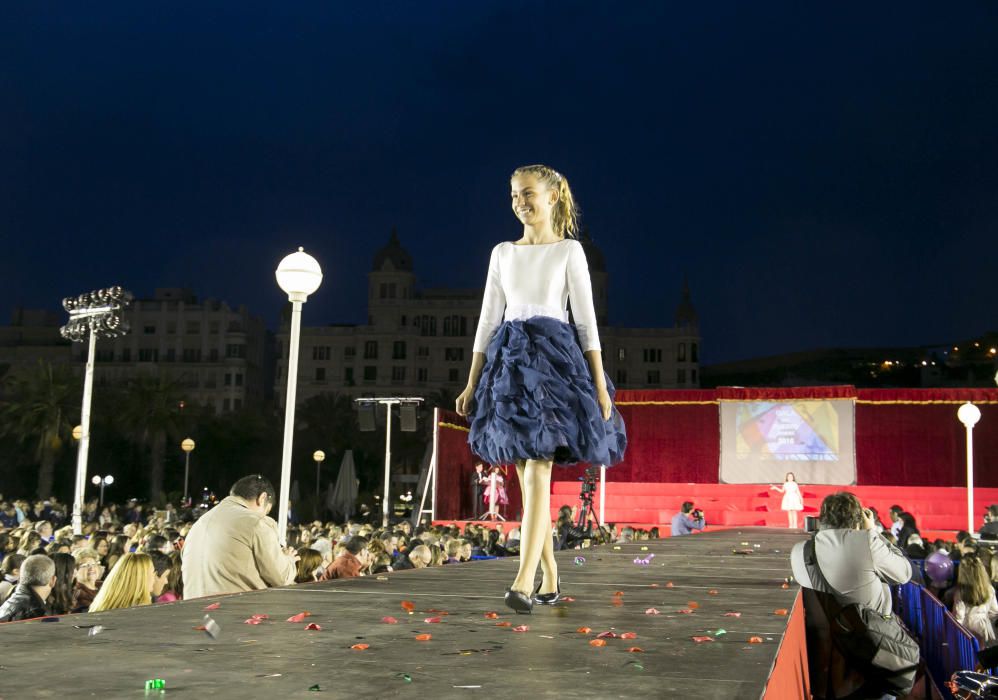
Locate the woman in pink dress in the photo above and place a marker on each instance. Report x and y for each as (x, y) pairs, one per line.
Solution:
(495, 490)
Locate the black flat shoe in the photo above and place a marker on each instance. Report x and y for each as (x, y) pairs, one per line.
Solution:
(519, 602)
(548, 598)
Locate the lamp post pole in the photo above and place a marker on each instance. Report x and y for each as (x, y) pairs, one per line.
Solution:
(969, 414)
(96, 313)
(319, 456)
(102, 482)
(298, 275)
(187, 446)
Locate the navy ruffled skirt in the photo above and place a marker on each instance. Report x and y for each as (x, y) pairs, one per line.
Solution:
(536, 399)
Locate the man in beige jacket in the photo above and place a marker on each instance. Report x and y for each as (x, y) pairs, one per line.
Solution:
(234, 546)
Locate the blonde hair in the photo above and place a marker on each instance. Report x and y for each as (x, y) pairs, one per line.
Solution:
(127, 585)
(973, 582)
(565, 216)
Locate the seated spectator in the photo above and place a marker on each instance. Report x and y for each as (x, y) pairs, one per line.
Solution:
(380, 565)
(45, 529)
(420, 557)
(161, 564)
(88, 573)
(309, 565)
(119, 547)
(30, 542)
(61, 599)
(32, 590)
(128, 584)
(989, 530)
(351, 560)
(175, 582)
(10, 570)
(851, 563)
(157, 543)
(453, 550)
(974, 603)
(915, 548)
(627, 534)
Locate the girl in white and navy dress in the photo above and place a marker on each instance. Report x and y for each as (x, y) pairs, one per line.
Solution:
(537, 393)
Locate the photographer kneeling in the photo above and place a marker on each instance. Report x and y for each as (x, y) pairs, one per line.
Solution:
(687, 520)
(856, 648)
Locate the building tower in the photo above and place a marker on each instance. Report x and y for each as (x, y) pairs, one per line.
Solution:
(391, 286)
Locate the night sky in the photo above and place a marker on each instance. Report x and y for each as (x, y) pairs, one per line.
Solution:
(826, 174)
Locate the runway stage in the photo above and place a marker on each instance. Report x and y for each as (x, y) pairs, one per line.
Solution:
(469, 654)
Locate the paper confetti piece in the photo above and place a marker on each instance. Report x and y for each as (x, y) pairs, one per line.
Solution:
(670, 584)
(635, 650)
(504, 624)
(213, 606)
(260, 617)
(300, 617)
(579, 561)
(389, 620)
(252, 621)
(755, 640)
(424, 637)
(644, 549)
(360, 647)
(685, 611)
(94, 631)
(491, 615)
(597, 642)
(432, 620)
(408, 606)
(629, 635)
(584, 630)
(652, 611)
(618, 593)
(521, 628)
(720, 632)
(692, 604)
(315, 687)
(567, 599)
(609, 634)
(701, 640)
(616, 547)
(732, 614)
(785, 585)
(312, 627)
(199, 628)
(654, 585)
(712, 591)
(780, 611)
(404, 677)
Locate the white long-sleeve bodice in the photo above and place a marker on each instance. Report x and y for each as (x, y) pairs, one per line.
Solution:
(538, 280)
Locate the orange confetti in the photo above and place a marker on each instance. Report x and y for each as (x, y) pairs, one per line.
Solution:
(618, 593)
(504, 624)
(780, 611)
(521, 628)
(635, 650)
(629, 635)
(654, 585)
(597, 642)
(584, 630)
(785, 585)
(670, 584)
(200, 628)
(361, 647)
(408, 606)
(693, 604)
(424, 637)
(389, 620)
(300, 617)
(712, 591)
(432, 620)
(491, 615)
(755, 640)
(252, 621)
(701, 640)
(617, 603)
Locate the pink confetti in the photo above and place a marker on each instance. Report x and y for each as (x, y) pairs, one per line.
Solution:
(685, 611)
(732, 614)
(521, 628)
(252, 621)
(701, 640)
(652, 611)
(311, 626)
(629, 635)
(259, 617)
(389, 620)
(567, 599)
(213, 606)
(432, 620)
(607, 635)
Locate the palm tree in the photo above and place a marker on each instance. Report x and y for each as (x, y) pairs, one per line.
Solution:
(149, 411)
(40, 408)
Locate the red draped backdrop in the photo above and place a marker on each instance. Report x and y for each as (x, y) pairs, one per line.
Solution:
(905, 437)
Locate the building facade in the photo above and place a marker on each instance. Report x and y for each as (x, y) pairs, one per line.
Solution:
(418, 342)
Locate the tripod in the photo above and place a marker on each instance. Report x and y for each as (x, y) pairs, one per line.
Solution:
(586, 516)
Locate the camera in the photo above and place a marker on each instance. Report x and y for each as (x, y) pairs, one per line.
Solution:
(697, 514)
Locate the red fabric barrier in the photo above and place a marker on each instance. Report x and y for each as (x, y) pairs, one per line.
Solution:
(789, 678)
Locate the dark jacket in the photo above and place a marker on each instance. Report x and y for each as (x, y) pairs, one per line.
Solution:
(23, 604)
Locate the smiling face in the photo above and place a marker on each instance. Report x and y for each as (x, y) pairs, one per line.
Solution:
(532, 200)
(790, 477)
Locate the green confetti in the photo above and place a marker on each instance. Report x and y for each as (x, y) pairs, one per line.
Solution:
(720, 632)
(404, 676)
(315, 687)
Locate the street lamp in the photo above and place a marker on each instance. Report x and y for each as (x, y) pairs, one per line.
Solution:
(91, 315)
(298, 275)
(187, 446)
(388, 402)
(319, 456)
(969, 414)
(102, 482)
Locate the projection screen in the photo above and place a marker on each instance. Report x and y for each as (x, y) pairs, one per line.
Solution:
(763, 440)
